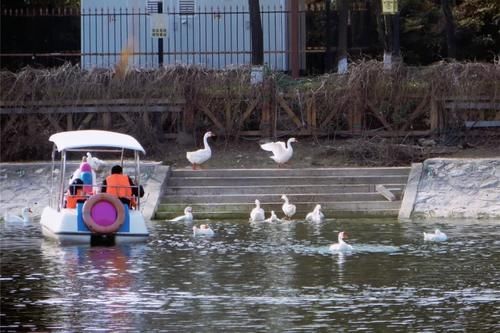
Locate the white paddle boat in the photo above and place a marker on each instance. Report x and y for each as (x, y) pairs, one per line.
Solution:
(90, 216)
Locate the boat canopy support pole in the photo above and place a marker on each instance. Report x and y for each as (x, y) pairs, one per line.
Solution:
(138, 177)
(51, 197)
(61, 185)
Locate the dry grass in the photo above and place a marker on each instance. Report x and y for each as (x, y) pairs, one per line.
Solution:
(388, 100)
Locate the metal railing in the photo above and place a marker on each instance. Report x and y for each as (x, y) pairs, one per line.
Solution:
(211, 37)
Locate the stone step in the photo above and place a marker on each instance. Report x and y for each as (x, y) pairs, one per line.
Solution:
(277, 189)
(295, 180)
(401, 171)
(230, 193)
(242, 211)
(225, 215)
(276, 198)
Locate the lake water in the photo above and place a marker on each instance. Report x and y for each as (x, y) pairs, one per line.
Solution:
(257, 278)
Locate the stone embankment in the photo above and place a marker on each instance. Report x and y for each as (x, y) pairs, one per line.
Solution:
(437, 188)
(457, 188)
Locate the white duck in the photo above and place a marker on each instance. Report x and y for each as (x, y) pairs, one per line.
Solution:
(341, 246)
(316, 215)
(187, 217)
(288, 208)
(257, 214)
(437, 236)
(203, 230)
(201, 155)
(273, 218)
(24, 218)
(95, 163)
(281, 152)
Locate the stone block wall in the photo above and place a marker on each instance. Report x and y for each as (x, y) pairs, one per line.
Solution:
(458, 188)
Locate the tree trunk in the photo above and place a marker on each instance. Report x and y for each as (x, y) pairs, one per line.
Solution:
(256, 33)
(343, 11)
(330, 38)
(450, 28)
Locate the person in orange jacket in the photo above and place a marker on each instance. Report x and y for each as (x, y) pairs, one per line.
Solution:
(122, 186)
(75, 193)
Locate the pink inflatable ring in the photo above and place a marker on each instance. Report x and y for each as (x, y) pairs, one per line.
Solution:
(103, 213)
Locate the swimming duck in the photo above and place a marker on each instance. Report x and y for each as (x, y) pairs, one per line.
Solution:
(203, 230)
(316, 215)
(273, 218)
(288, 208)
(187, 217)
(201, 155)
(281, 152)
(24, 218)
(437, 236)
(257, 214)
(341, 246)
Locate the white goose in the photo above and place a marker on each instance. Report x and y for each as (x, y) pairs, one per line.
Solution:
(288, 208)
(24, 218)
(95, 163)
(257, 214)
(273, 218)
(437, 236)
(201, 155)
(203, 230)
(187, 217)
(281, 152)
(341, 246)
(316, 216)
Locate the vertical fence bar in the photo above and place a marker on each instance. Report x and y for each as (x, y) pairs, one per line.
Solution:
(82, 38)
(218, 38)
(237, 36)
(206, 36)
(199, 34)
(95, 35)
(145, 38)
(102, 36)
(127, 37)
(132, 22)
(108, 48)
(193, 54)
(294, 31)
(169, 13)
(139, 51)
(275, 20)
(114, 34)
(121, 34)
(231, 46)
(212, 33)
(224, 34)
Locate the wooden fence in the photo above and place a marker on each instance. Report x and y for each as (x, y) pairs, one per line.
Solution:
(266, 114)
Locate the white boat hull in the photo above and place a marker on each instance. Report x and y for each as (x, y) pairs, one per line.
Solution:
(63, 227)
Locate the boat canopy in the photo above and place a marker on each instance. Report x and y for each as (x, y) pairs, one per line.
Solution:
(94, 138)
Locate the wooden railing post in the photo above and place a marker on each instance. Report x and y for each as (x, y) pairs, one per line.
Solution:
(355, 120)
(434, 117)
(266, 118)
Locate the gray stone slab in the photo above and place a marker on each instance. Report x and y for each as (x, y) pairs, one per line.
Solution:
(154, 190)
(411, 191)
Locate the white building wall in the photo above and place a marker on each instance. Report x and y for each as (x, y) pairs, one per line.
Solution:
(215, 39)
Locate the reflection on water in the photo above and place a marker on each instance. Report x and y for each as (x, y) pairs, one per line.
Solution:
(258, 277)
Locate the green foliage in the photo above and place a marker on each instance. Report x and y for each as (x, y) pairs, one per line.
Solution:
(420, 35)
(478, 28)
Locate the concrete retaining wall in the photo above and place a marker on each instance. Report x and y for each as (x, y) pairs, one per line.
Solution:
(458, 188)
